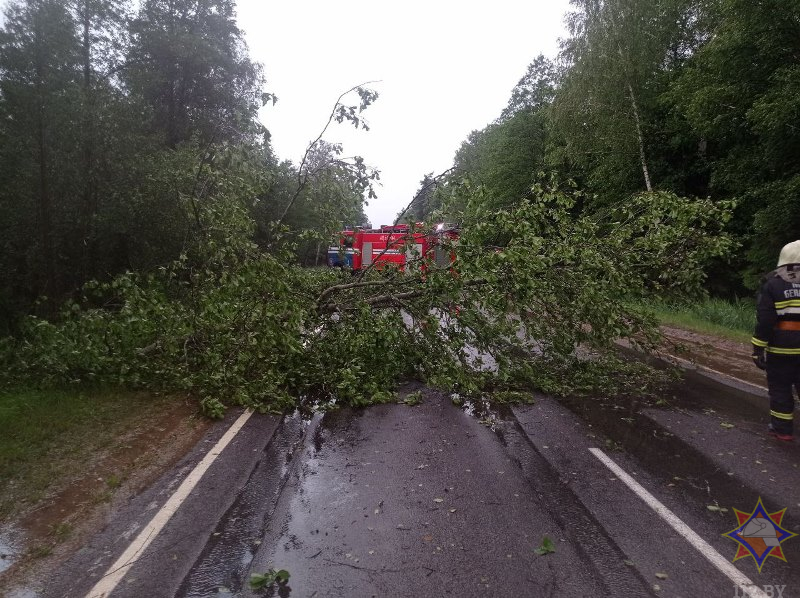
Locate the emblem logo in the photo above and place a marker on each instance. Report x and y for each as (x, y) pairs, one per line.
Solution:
(759, 534)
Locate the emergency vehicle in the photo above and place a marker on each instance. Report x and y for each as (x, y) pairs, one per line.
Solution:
(398, 246)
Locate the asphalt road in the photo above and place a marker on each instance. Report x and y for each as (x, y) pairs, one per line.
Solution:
(436, 500)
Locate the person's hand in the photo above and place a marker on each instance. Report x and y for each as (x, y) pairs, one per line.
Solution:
(760, 358)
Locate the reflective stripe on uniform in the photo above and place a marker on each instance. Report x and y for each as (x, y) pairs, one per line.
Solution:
(758, 342)
(780, 415)
(783, 351)
(790, 306)
(788, 303)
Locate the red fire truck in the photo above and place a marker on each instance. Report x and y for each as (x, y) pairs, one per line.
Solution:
(399, 246)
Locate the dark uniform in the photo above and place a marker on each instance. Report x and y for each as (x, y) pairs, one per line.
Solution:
(778, 334)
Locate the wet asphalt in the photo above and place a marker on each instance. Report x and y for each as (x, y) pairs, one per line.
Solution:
(412, 501)
(437, 500)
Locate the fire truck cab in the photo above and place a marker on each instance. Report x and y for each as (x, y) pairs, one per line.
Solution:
(400, 246)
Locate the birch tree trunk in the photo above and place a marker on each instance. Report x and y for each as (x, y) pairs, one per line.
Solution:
(640, 138)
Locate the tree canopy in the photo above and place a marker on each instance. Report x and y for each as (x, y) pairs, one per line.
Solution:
(693, 97)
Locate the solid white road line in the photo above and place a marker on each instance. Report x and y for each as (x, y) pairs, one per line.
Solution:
(725, 566)
(703, 368)
(117, 571)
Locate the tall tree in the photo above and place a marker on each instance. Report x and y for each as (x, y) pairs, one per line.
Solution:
(102, 27)
(741, 92)
(424, 201)
(504, 158)
(39, 58)
(322, 199)
(535, 90)
(188, 60)
(604, 108)
(84, 161)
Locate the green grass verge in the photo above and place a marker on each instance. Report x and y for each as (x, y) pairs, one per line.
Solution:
(47, 436)
(733, 320)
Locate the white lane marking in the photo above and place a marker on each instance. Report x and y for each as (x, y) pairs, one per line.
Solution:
(118, 570)
(724, 565)
(703, 368)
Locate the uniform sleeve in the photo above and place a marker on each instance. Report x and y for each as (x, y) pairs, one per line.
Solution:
(766, 317)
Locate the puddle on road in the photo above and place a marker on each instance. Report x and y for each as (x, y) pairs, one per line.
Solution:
(222, 567)
(287, 471)
(483, 410)
(10, 546)
(309, 541)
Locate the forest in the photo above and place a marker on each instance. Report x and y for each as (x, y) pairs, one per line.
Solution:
(151, 238)
(117, 125)
(696, 97)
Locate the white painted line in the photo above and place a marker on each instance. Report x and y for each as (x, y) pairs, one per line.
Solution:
(720, 562)
(117, 571)
(702, 368)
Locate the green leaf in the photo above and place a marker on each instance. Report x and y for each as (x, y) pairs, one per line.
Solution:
(547, 547)
(259, 581)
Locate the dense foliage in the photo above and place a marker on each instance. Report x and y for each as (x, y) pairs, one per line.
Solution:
(115, 125)
(693, 97)
(151, 238)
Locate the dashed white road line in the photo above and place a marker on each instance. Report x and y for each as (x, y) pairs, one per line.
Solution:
(721, 563)
(117, 571)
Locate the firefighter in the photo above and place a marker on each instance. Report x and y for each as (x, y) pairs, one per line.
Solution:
(776, 342)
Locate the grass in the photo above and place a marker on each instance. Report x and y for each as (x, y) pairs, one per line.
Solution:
(734, 320)
(61, 531)
(47, 436)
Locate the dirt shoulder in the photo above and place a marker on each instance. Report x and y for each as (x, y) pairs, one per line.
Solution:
(36, 537)
(724, 356)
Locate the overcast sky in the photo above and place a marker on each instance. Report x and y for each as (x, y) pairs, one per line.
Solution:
(444, 68)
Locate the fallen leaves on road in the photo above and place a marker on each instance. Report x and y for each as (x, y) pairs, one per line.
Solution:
(259, 581)
(547, 547)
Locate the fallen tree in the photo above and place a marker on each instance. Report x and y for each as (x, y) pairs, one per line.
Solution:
(541, 288)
